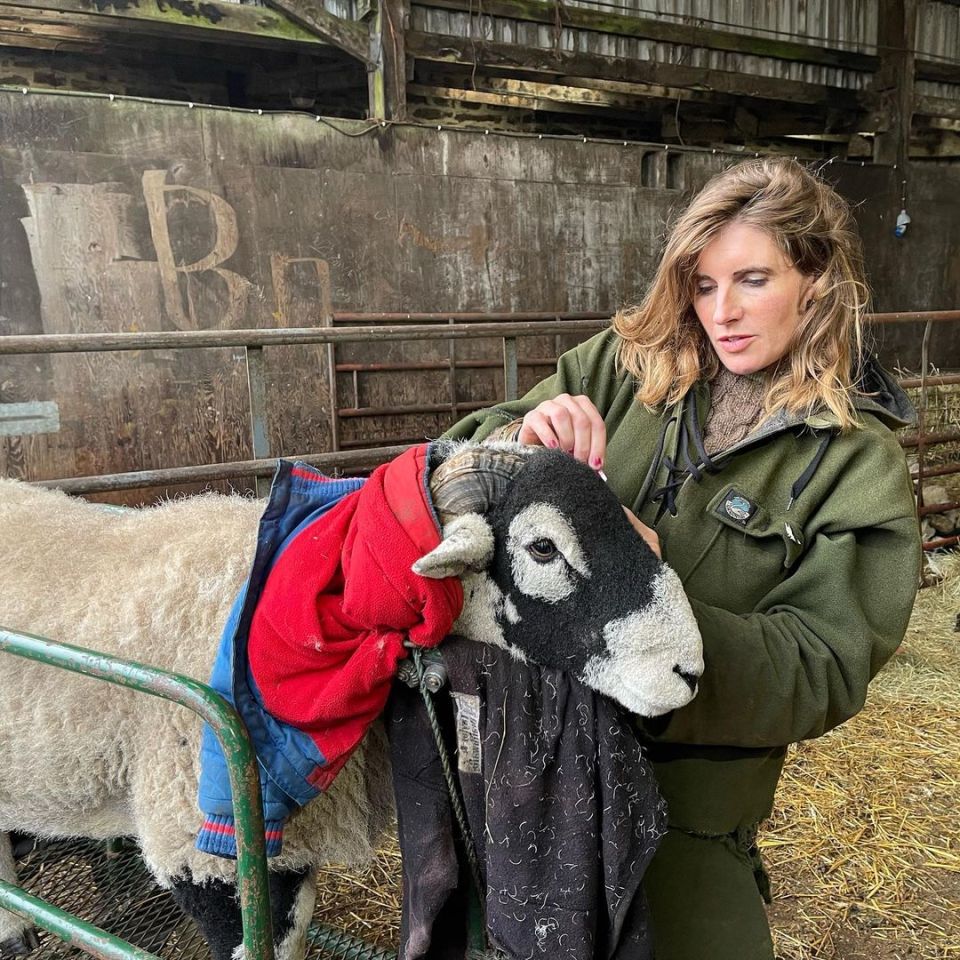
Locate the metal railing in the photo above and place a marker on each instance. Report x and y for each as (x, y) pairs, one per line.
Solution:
(253, 892)
(251, 872)
(380, 327)
(404, 327)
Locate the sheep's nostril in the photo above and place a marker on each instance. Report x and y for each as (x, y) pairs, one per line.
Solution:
(690, 679)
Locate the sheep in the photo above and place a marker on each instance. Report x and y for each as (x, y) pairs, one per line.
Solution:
(551, 572)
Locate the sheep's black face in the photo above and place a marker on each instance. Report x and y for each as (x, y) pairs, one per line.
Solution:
(568, 583)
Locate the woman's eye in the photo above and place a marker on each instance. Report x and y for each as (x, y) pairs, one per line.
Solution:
(542, 550)
(700, 291)
(756, 281)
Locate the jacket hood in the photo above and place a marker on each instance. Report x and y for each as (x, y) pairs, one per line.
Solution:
(882, 396)
(876, 393)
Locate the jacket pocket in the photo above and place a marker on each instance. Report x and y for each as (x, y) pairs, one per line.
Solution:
(746, 546)
(772, 531)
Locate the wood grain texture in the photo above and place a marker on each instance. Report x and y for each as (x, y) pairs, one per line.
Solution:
(126, 216)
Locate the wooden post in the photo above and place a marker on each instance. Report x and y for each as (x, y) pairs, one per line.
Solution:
(894, 81)
(388, 78)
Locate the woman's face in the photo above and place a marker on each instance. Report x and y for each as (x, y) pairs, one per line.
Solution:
(748, 298)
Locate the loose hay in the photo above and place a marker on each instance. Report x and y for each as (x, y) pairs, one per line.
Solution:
(365, 903)
(863, 849)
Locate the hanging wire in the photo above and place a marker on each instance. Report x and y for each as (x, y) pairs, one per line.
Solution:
(372, 125)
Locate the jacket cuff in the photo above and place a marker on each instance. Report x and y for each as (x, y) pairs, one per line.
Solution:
(218, 836)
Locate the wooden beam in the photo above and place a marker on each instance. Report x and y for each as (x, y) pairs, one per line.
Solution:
(348, 35)
(945, 145)
(537, 11)
(387, 83)
(649, 91)
(211, 20)
(938, 123)
(546, 92)
(554, 103)
(512, 101)
(894, 81)
(937, 107)
(19, 32)
(938, 71)
(451, 49)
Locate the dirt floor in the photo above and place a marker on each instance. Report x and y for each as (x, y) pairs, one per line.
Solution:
(864, 848)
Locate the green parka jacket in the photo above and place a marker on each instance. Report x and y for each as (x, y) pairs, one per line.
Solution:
(800, 552)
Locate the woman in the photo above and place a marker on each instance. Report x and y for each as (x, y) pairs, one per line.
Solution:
(752, 448)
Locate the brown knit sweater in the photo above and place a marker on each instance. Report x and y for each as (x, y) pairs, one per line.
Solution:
(736, 408)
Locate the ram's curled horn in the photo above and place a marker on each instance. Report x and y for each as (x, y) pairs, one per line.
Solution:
(474, 477)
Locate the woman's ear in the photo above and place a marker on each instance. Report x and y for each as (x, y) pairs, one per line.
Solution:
(807, 291)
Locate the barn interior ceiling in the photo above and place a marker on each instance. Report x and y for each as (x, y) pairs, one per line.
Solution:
(866, 79)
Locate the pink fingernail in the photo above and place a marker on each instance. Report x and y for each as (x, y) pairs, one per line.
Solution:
(552, 444)
(597, 463)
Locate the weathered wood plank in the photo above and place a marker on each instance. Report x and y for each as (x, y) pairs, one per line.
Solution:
(937, 71)
(894, 81)
(937, 107)
(349, 36)
(388, 83)
(452, 49)
(536, 11)
(47, 33)
(213, 20)
(530, 96)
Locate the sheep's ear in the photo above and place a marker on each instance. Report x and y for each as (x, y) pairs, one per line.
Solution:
(467, 545)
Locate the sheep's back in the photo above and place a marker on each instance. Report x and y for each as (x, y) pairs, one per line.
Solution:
(153, 585)
(84, 757)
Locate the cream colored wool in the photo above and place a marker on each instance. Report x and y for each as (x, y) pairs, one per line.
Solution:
(95, 759)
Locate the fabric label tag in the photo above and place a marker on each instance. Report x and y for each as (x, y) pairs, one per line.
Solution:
(468, 732)
(737, 507)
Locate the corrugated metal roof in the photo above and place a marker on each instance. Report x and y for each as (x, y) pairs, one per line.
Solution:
(938, 30)
(822, 22)
(851, 24)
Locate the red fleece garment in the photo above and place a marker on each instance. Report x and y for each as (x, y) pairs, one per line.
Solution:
(329, 628)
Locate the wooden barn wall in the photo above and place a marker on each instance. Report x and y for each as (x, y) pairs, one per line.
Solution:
(125, 216)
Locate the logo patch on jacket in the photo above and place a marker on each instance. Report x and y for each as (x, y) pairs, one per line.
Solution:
(737, 507)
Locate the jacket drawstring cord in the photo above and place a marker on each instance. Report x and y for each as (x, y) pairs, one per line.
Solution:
(689, 430)
(801, 482)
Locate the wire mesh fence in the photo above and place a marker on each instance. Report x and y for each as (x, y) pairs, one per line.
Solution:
(107, 884)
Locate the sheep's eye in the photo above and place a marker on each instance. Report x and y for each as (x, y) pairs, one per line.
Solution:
(542, 550)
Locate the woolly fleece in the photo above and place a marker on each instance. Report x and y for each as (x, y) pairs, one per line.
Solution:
(80, 756)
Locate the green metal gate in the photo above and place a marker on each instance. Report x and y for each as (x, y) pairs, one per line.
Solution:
(119, 869)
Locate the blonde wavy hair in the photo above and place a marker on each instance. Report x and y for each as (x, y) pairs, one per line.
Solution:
(663, 344)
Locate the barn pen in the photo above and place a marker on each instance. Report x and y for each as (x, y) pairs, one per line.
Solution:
(233, 231)
(84, 891)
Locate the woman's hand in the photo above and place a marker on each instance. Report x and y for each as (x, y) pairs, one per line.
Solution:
(648, 534)
(568, 423)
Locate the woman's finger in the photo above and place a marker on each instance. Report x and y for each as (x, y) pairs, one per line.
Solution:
(597, 448)
(571, 423)
(536, 430)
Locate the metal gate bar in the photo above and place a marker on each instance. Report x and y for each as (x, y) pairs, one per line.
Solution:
(70, 929)
(252, 886)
